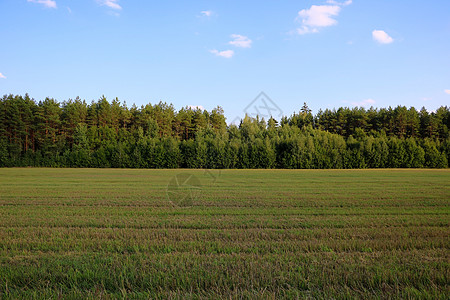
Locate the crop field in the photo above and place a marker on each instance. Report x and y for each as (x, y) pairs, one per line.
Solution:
(233, 234)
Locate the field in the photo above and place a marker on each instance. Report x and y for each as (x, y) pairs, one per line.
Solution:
(110, 233)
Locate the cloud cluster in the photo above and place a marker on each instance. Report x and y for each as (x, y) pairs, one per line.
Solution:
(206, 13)
(381, 37)
(240, 41)
(110, 3)
(2, 76)
(447, 92)
(319, 16)
(225, 53)
(46, 3)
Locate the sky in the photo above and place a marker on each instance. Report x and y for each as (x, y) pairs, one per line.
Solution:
(328, 53)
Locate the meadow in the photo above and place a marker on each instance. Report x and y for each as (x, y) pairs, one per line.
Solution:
(234, 234)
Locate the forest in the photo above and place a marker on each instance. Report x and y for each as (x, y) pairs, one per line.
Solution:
(108, 134)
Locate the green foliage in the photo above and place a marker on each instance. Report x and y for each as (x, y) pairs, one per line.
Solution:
(433, 158)
(109, 134)
(3, 153)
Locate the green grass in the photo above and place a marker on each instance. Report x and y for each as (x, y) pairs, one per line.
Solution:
(270, 234)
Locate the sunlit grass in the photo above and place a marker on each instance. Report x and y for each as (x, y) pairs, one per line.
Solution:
(101, 233)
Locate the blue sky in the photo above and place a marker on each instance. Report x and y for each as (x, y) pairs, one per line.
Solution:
(208, 53)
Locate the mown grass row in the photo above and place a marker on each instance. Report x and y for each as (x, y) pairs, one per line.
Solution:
(124, 220)
(248, 234)
(391, 273)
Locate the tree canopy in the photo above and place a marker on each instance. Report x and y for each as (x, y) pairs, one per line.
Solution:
(107, 134)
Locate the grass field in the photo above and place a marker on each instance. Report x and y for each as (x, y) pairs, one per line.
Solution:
(90, 233)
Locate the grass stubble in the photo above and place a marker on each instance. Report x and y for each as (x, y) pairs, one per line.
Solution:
(248, 234)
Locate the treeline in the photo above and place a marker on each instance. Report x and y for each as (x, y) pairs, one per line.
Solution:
(107, 134)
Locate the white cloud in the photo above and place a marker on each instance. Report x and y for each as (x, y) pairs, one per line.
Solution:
(110, 3)
(382, 37)
(366, 102)
(206, 13)
(240, 41)
(447, 92)
(196, 107)
(46, 3)
(2, 76)
(319, 16)
(305, 29)
(225, 53)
